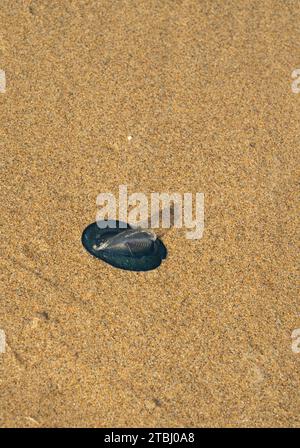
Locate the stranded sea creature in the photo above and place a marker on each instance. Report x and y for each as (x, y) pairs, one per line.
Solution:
(129, 248)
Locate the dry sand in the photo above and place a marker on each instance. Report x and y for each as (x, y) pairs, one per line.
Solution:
(204, 89)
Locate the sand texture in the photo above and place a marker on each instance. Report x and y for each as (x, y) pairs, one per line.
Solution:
(204, 89)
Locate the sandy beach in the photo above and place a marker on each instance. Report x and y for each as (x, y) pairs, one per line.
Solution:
(161, 96)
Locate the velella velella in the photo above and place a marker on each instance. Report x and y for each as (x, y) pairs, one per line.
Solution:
(124, 246)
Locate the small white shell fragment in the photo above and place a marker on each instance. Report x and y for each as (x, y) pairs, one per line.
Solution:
(2, 81)
(129, 137)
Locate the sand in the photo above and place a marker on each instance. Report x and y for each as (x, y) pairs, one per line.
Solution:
(204, 90)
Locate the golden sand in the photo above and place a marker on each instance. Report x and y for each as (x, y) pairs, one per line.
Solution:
(204, 90)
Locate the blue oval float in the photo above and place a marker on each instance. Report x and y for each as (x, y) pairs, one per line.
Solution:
(123, 246)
